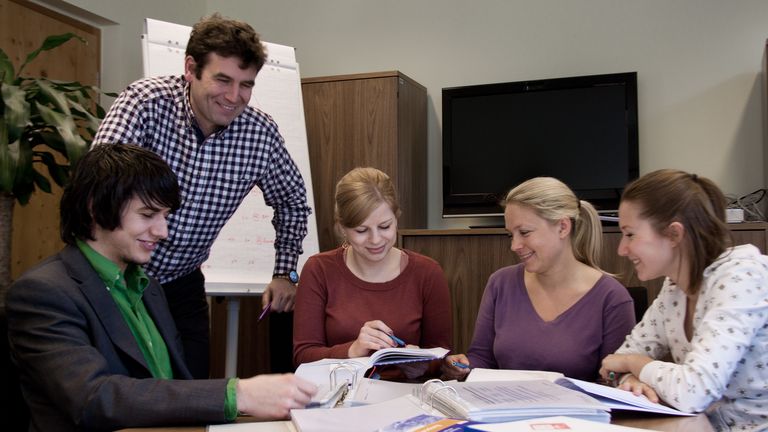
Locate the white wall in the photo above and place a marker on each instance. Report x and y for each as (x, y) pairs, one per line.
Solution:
(698, 61)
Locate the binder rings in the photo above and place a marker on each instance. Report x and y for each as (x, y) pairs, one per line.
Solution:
(340, 380)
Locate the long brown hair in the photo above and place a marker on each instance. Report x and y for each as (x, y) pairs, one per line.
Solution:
(666, 196)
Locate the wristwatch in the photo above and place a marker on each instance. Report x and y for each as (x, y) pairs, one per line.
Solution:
(291, 276)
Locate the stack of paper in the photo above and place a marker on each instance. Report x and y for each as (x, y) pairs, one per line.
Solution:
(510, 400)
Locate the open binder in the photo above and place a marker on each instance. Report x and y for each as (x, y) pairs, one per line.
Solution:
(341, 382)
(509, 400)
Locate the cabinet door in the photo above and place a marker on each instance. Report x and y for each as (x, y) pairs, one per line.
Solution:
(467, 261)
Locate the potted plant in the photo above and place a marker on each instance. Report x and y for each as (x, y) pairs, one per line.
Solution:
(39, 118)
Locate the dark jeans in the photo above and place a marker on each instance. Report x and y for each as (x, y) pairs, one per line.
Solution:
(189, 307)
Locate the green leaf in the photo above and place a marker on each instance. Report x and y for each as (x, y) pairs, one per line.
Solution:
(92, 123)
(42, 182)
(6, 69)
(51, 139)
(65, 126)
(59, 173)
(50, 95)
(8, 160)
(22, 192)
(49, 43)
(16, 111)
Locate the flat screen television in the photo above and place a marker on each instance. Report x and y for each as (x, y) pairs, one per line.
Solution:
(581, 130)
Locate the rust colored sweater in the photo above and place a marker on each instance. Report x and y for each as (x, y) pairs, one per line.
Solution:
(332, 304)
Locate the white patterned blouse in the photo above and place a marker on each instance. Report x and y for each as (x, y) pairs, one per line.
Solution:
(723, 368)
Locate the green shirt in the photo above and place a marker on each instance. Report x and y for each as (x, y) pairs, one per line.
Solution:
(127, 291)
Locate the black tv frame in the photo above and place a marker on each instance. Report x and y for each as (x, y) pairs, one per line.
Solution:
(487, 204)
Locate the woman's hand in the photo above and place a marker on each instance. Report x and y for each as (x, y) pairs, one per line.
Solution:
(450, 368)
(633, 384)
(373, 336)
(623, 363)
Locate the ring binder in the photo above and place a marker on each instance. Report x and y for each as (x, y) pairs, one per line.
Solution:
(506, 401)
(352, 369)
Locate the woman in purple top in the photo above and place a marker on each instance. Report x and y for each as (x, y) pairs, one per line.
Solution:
(556, 310)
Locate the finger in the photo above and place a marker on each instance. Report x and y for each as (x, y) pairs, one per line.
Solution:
(290, 305)
(266, 297)
(650, 394)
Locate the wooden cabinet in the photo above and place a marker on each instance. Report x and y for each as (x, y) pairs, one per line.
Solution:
(372, 119)
(469, 256)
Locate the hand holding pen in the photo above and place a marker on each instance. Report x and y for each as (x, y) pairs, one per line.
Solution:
(455, 366)
(373, 336)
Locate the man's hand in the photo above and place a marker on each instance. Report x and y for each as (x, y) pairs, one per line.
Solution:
(282, 293)
(271, 397)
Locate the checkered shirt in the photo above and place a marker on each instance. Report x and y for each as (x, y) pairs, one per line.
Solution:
(214, 177)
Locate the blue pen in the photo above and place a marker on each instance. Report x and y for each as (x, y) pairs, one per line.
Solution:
(397, 340)
(460, 365)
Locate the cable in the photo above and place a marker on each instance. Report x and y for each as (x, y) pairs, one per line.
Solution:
(749, 203)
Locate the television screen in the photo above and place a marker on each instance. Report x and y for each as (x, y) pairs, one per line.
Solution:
(581, 130)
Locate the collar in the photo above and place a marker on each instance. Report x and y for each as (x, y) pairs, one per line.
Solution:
(109, 272)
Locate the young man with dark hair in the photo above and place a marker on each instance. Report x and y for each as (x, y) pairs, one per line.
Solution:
(91, 333)
(220, 148)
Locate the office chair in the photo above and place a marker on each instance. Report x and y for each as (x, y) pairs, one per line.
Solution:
(639, 295)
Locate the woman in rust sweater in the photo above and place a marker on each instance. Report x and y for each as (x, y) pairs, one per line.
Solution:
(353, 299)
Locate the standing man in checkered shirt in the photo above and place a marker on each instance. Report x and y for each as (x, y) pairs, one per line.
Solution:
(220, 148)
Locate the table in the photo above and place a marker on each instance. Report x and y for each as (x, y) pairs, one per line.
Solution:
(233, 291)
(699, 423)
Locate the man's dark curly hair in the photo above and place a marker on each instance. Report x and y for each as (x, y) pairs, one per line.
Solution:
(227, 38)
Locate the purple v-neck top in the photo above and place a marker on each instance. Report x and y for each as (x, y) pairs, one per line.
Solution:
(509, 334)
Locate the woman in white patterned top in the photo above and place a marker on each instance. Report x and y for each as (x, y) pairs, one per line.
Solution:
(710, 318)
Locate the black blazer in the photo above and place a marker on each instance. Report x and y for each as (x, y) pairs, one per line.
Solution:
(79, 364)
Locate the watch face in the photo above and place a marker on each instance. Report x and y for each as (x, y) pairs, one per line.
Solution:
(293, 276)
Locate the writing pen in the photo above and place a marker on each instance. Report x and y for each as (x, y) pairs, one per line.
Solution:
(397, 340)
(460, 365)
(264, 311)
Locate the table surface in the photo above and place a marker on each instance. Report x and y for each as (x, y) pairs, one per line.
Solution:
(656, 422)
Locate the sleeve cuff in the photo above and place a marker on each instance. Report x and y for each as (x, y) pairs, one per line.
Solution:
(230, 400)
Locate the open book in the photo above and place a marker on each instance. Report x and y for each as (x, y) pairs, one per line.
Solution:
(397, 355)
(611, 397)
